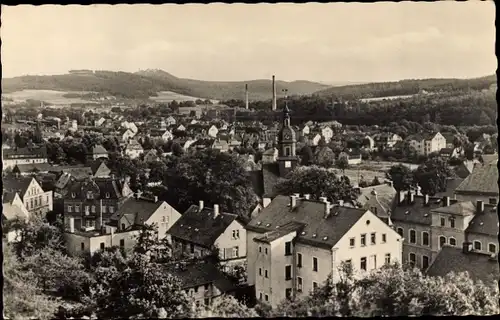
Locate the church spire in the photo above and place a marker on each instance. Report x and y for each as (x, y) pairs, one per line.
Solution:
(286, 111)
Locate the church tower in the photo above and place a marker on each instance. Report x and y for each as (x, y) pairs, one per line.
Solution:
(287, 144)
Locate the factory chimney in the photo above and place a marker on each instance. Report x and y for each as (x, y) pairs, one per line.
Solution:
(274, 94)
(246, 96)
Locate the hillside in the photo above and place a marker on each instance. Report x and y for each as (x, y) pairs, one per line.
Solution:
(144, 84)
(406, 87)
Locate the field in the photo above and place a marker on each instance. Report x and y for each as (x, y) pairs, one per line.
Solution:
(48, 96)
(169, 96)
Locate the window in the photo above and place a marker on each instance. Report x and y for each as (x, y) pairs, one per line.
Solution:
(452, 222)
(363, 263)
(70, 208)
(299, 284)
(197, 303)
(191, 248)
(123, 226)
(103, 208)
(122, 243)
(87, 210)
(288, 248)
(453, 242)
(236, 234)
(287, 151)
(387, 258)
(425, 262)
(477, 245)
(413, 236)
(196, 289)
(267, 298)
(442, 241)
(443, 222)
(315, 264)
(31, 202)
(384, 238)
(206, 301)
(400, 231)
(236, 252)
(299, 260)
(373, 238)
(288, 164)
(260, 249)
(288, 293)
(492, 248)
(363, 239)
(352, 242)
(425, 238)
(412, 258)
(265, 274)
(288, 272)
(315, 285)
(93, 209)
(102, 246)
(260, 296)
(260, 271)
(77, 208)
(82, 246)
(265, 250)
(36, 202)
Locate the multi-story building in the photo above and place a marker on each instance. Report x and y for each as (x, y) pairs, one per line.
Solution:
(122, 227)
(28, 155)
(482, 231)
(133, 149)
(294, 244)
(200, 230)
(427, 143)
(386, 140)
(93, 201)
(35, 199)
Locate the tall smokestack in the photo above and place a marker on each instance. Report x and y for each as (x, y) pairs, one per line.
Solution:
(274, 94)
(246, 96)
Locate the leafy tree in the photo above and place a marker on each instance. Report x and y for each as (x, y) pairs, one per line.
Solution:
(22, 299)
(363, 184)
(35, 235)
(142, 289)
(342, 163)
(325, 157)
(431, 176)
(227, 307)
(306, 155)
(318, 182)
(401, 177)
(177, 150)
(375, 181)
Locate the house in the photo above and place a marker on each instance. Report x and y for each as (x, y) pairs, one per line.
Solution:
(305, 130)
(479, 266)
(449, 138)
(12, 209)
(213, 131)
(451, 185)
(28, 155)
(352, 157)
(313, 139)
(447, 153)
(31, 168)
(126, 135)
(221, 145)
(100, 169)
(133, 149)
(427, 143)
(92, 201)
(370, 143)
(481, 184)
(181, 128)
(378, 199)
(34, 198)
(170, 121)
(99, 122)
(326, 132)
(270, 155)
(201, 229)
(295, 244)
(151, 155)
(202, 282)
(97, 152)
(165, 135)
(482, 231)
(137, 211)
(184, 142)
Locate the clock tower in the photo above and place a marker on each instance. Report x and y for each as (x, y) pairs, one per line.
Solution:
(287, 143)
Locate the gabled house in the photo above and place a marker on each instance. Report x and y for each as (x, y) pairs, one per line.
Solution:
(200, 230)
(212, 131)
(181, 128)
(378, 199)
(97, 152)
(100, 169)
(133, 149)
(165, 135)
(126, 135)
(151, 155)
(221, 145)
(295, 244)
(481, 184)
(99, 122)
(31, 168)
(313, 139)
(34, 198)
(427, 143)
(170, 121)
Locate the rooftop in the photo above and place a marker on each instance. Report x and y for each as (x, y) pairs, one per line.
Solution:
(482, 180)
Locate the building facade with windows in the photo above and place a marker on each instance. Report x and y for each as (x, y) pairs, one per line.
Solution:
(29, 155)
(294, 244)
(35, 199)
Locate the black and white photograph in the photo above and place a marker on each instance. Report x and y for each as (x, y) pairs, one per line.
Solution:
(249, 160)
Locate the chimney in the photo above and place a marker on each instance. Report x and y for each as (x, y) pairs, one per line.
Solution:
(274, 94)
(426, 199)
(323, 199)
(293, 201)
(266, 202)
(446, 201)
(246, 96)
(327, 209)
(156, 199)
(307, 196)
(72, 225)
(216, 210)
(466, 247)
(200, 205)
(411, 199)
(480, 206)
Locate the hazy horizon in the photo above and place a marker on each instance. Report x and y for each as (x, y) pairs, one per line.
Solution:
(327, 43)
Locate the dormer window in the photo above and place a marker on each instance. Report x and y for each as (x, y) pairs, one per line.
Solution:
(90, 195)
(73, 195)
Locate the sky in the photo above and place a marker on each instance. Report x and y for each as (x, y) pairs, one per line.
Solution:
(338, 42)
